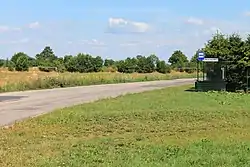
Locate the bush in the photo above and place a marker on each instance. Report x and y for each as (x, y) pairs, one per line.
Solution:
(190, 70)
(109, 69)
(47, 69)
(161, 67)
(168, 69)
(22, 63)
(10, 65)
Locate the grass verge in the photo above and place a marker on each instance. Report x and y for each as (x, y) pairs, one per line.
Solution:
(169, 127)
(20, 81)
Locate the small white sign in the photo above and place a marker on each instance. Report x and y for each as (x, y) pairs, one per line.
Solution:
(211, 60)
(201, 56)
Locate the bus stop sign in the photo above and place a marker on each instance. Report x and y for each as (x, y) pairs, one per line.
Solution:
(201, 56)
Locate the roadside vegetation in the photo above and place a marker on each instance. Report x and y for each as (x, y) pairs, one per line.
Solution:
(35, 79)
(46, 70)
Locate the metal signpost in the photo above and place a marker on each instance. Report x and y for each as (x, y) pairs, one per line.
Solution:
(248, 77)
(201, 57)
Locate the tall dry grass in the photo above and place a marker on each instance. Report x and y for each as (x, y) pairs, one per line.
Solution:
(35, 79)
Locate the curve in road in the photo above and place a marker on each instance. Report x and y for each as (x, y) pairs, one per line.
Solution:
(16, 106)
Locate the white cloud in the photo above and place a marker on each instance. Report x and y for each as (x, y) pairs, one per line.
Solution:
(19, 41)
(153, 43)
(209, 27)
(24, 40)
(4, 28)
(195, 21)
(120, 25)
(34, 25)
(247, 13)
(167, 43)
(130, 43)
(225, 27)
(93, 42)
(16, 29)
(7, 29)
(212, 30)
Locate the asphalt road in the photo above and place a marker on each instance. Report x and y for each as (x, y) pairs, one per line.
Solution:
(16, 106)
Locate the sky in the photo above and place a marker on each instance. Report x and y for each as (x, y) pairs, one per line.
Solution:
(117, 29)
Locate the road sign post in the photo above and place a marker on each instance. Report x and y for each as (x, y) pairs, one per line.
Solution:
(201, 57)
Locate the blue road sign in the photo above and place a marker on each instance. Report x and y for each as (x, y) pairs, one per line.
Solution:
(201, 56)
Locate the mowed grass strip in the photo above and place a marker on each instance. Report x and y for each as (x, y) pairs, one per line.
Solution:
(169, 127)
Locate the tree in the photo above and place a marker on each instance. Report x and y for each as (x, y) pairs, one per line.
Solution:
(145, 64)
(195, 56)
(236, 68)
(32, 62)
(246, 51)
(70, 63)
(87, 63)
(235, 52)
(128, 65)
(10, 65)
(109, 62)
(2, 62)
(178, 59)
(98, 63)
(162, 67)
(217, 47)
(84, 63)
(59, 64)
(22, 63)
(17, 55)
(46, 57)
(154, 59)
(66, 58)
(121, 66)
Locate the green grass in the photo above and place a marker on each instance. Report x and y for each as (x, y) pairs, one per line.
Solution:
(169, 127)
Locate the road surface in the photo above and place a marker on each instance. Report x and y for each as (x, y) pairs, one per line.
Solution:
(16, 106)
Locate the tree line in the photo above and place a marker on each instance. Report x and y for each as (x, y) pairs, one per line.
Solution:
(84, 63)
(231, 49)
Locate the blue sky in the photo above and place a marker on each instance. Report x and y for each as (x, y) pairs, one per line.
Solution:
(117, 29)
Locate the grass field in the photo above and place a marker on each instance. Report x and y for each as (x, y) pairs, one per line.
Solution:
(34, 79)
(170, 127)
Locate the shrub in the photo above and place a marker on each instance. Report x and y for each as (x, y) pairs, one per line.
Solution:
(10, 65)
(22, 63)
(47, 69)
